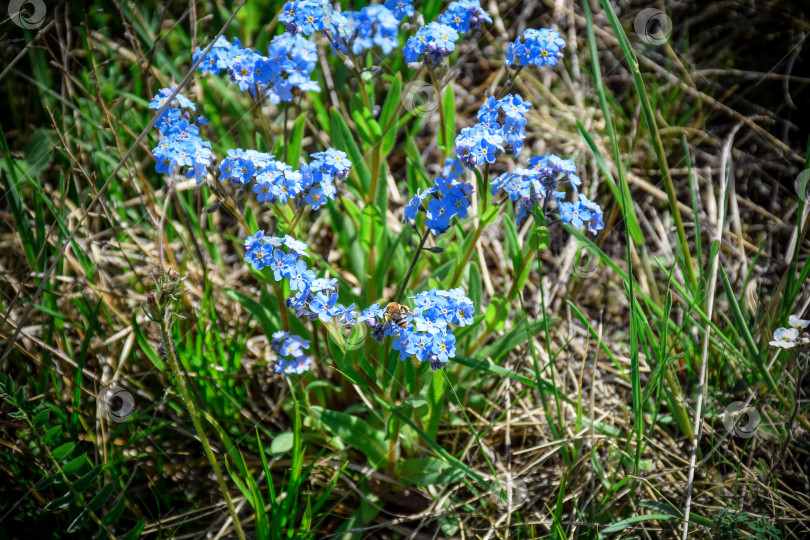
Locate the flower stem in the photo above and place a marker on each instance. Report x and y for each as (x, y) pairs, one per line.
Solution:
(467, 254)
(509, 79)
(268, 136)
(286, 105)
(168, 346)
(478, 230)
(404, 283)
(442, 127)
(282, 306)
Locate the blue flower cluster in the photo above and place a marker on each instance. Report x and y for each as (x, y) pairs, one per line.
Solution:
(539, 47)
(242, 166)
(357, 31)
(427, 335)
(277, 182)
(305, 16)
(433, 42)
(542, 179)
(499, 121)
(437, 40)
(180, 143)
(263, 250)
(450, 197)
(317, 298)
(464, 15)
(285, 70)
(362, 30)
(290, 351)
(312, 184)
(400, 8)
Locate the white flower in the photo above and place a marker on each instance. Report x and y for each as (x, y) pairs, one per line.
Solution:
(785, 338)
(795, 322)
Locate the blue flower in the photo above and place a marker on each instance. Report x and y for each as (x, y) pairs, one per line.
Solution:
(372, 314)
(282, 264)
(291, 355)
(290, 60)
(263, 191)
(431, 321)
(419, 345)
(434, 41)
(595, 223)
(400, 8)
(295, 245)
(254, 240)
(464, 312)
(300, 277)
(323, 284)
(444, 347)
(402, 341)
(322, 305)
(464, 15)
(427, 335)
(539, 47)
(180, 145)
(304, 16)
(259, 256)
(452, 168)
(163, 95)
(362, 30)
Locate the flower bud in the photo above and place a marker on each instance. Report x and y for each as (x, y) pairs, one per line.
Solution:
(153, 308)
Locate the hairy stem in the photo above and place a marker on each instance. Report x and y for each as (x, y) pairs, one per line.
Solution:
(404, 284)
(174, 363)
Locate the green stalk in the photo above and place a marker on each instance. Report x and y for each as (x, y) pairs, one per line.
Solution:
(404, 283)
(158, 308)
(442, 127)
(658, 146)
(482, 223)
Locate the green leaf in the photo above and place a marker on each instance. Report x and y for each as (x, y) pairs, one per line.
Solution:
(38, 153)
(63, 451)
(60, 502)
(342, 139)
(386, 115)
(294, 143)
(12, 191)
(436, 396)
(626, 201)
(415, 163)
(512, 242)
(514, 337)
(415, 402)
(539, 237)
(136, 531)
(362, 128)
(436, 446)
(428, 471)
(268, 320)
(475, 284)
(370, 221)
(101, 498)
(623, 524)
(355, 432)
(449, 118)
(282, 443)
(84, 482)
(497, 312)
(115, 512)
(41, 417)
(79, 522)
(75, 464)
